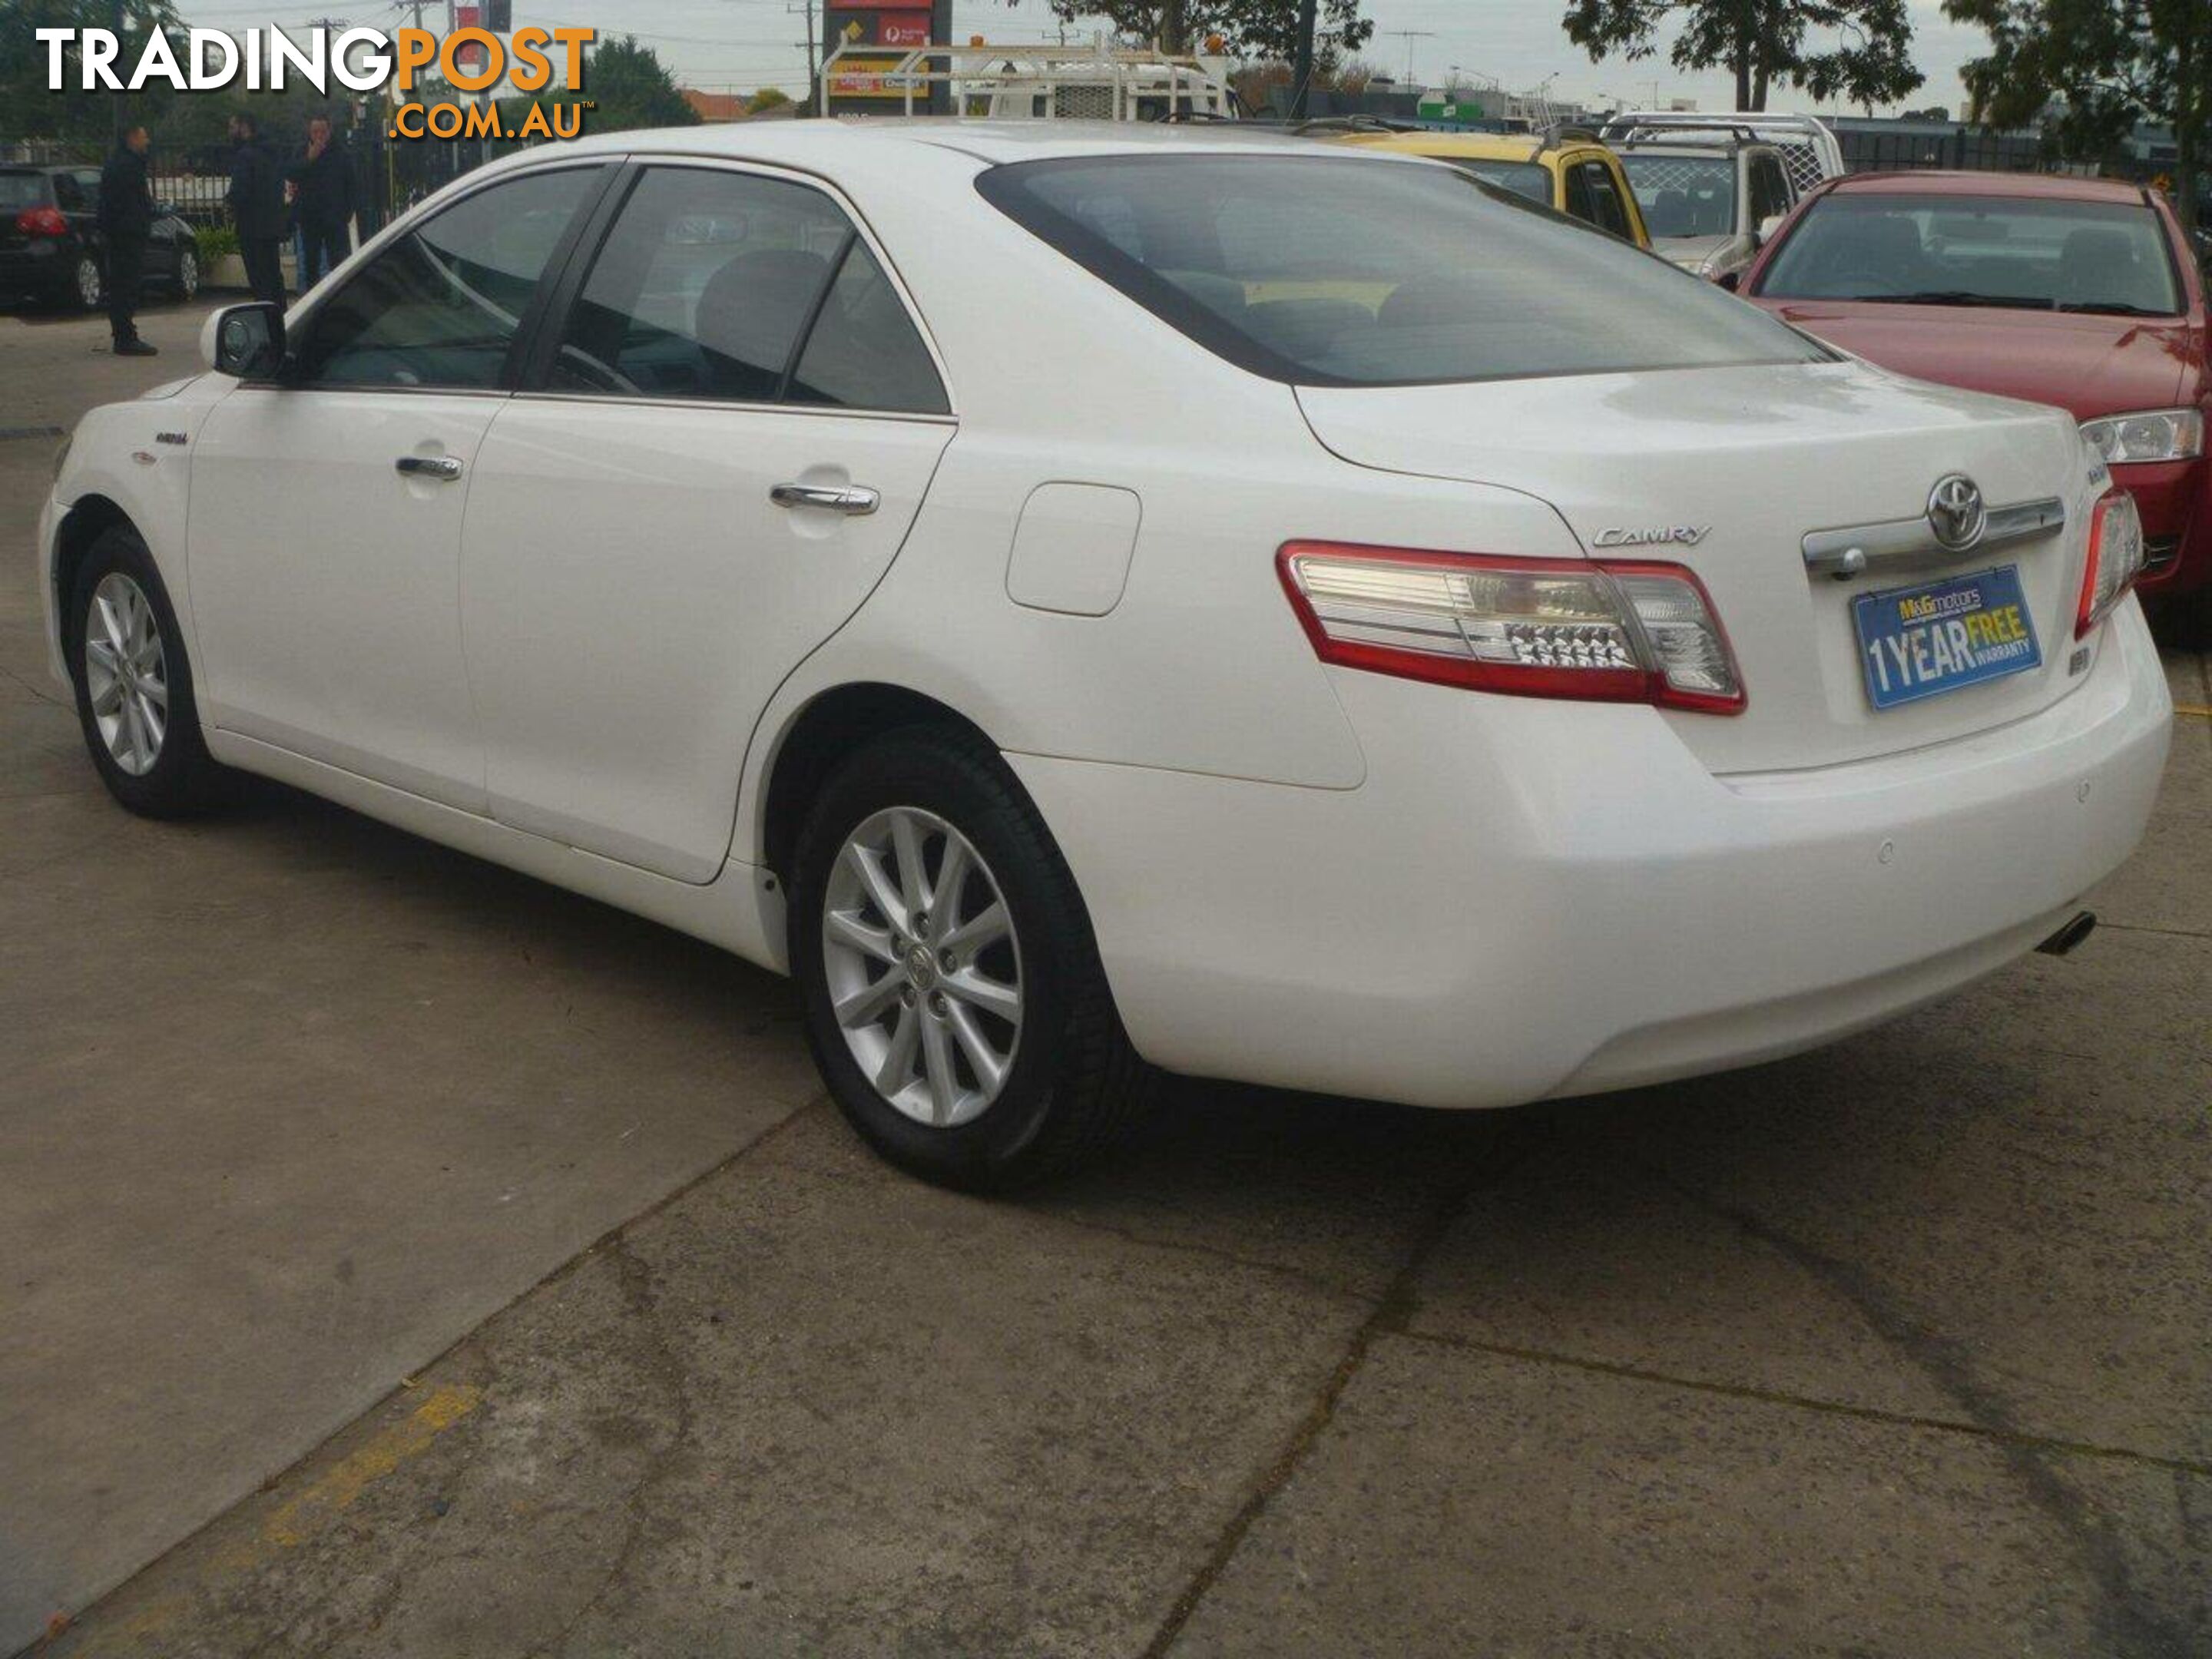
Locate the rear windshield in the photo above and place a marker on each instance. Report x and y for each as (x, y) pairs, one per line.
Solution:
(1684, 195)
(23, 190)
(1521, 178)
(1323, 270)
(2016, 252)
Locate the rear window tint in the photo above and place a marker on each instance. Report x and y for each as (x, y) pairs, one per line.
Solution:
(1324, 271)
(21, 189)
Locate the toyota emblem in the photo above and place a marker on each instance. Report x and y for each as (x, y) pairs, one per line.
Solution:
(1955, 512)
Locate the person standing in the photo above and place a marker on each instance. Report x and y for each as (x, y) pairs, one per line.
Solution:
(257, 207)
(323, 203)
(126, 224)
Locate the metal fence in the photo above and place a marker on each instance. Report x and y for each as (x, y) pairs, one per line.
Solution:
(1953, 149)
(194, 181)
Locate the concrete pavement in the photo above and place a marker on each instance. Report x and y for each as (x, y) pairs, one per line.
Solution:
(429, 1262)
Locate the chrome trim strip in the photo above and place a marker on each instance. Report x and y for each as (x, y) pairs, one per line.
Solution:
(1844, 553)
(622, 400)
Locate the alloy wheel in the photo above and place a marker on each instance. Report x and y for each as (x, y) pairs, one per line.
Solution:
(87, 282)
(924, 971)
(188, 273)
(126, 674)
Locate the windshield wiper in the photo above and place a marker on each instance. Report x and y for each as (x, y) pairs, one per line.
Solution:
(1946, 296)
(2112, 309)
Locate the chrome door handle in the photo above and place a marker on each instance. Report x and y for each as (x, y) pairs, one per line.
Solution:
(439, 469)
(853, 499)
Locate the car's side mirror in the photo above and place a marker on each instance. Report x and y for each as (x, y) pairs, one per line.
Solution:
(1767, 226)
(246, 340)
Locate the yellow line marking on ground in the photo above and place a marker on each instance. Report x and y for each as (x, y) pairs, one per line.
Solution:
(298, 1519)
(2192, 709)
(338, 1486)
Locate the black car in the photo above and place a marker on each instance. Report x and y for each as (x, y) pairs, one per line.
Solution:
(50, 242)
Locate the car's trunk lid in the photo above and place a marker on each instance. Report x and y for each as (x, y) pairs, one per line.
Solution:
(1755, 459)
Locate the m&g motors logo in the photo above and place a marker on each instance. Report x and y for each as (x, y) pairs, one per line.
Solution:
(468, 60)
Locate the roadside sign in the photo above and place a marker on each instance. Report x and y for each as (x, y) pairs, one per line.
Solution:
(469, 57)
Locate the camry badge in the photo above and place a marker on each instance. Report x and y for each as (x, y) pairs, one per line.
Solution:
(1686, 535)
(1956, 512)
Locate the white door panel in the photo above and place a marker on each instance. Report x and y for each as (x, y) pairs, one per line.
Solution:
(631, 598)
(326, 581)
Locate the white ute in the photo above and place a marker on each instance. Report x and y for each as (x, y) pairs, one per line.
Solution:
(1090, 599)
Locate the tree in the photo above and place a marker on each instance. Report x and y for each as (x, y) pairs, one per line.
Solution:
(2114, 64)
(1247, 28)
(1764, 43)
(628, 87)
(30, 108)
(766, 98)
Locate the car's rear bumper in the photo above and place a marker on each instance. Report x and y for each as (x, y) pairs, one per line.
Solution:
(1527, 898)
(40, 270)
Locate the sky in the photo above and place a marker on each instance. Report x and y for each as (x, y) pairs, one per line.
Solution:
(744, 45)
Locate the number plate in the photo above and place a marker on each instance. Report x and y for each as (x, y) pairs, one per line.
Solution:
(1917, 642)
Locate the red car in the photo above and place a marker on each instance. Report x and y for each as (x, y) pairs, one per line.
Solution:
(2078, 292)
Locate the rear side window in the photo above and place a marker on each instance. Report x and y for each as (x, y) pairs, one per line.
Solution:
(864, 352)
(1606, 211)
(710, 280)
(1386, 273)
(19, 190)
(69, 195)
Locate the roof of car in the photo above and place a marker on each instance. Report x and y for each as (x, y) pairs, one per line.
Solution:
(2059, 187)
(991, 142)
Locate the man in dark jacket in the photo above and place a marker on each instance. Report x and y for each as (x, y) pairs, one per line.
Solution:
(126, 222)
(322, 202)
(256, 206)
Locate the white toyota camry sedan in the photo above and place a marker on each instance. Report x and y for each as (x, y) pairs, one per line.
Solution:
(1087, 601)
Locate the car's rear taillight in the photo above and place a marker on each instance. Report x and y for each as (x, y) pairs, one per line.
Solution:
(42, 222)
(2115, 558)
(1616, 631)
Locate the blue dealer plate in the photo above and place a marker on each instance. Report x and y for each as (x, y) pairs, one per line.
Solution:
(1917, 642)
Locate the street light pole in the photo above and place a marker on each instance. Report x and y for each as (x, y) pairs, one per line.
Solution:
(122, 116)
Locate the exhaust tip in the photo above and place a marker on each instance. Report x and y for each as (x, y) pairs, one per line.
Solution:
(2078, 927)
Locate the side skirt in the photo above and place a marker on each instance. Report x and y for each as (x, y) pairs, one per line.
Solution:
(741, 910)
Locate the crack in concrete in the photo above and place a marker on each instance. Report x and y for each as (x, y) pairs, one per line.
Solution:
(611, 1240)
(2130, 1628)
(2181, 1467)
(1390, 1314)
(662, 1361)
(42, 696)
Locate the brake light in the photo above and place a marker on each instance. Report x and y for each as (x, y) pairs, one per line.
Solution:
(1608, 630)
(42, 222)
(2115, 558)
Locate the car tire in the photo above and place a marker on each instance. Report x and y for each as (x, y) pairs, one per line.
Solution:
(924, 1059)
(140, 720)
(87, 289)
(187, 282)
